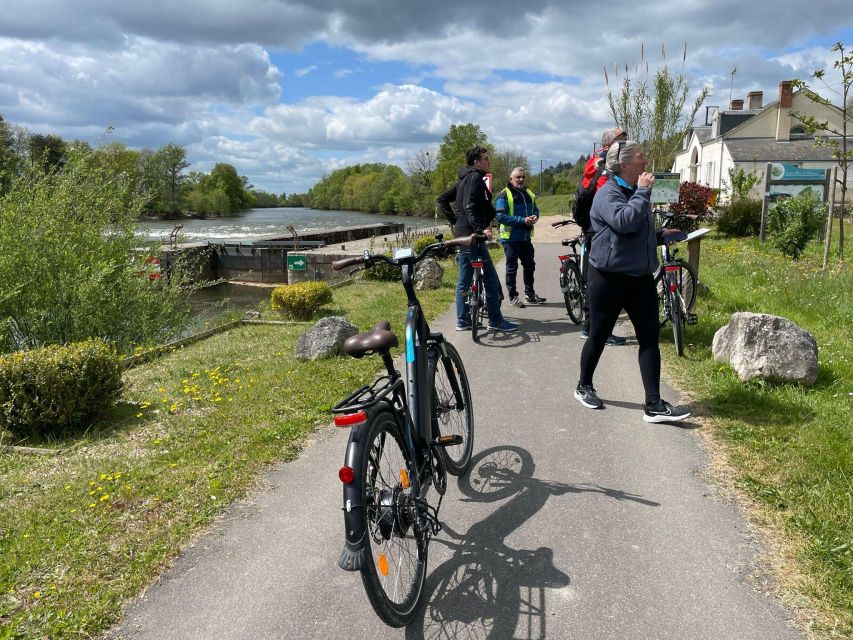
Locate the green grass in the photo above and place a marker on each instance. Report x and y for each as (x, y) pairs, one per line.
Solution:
(791, 447)
(83, 531)
(555, 205)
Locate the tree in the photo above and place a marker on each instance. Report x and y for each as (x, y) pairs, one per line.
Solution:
(840, 148)
(503, 162)
(224, 176)
(172, 159)
(655, 116)
(421, 169)
(451, 154)
(47, 152)
(9, 158)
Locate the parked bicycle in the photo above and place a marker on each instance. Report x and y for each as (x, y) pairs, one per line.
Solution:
(477, 300)
(572, 280)
(676, 284)
(405, 438)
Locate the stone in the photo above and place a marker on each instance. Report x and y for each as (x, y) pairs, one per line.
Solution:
(758, 345)
(428, 275)
(325, 339)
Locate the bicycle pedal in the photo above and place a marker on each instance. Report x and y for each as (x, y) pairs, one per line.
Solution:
(692, 318)
(447, 441)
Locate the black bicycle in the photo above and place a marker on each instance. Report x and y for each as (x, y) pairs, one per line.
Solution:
(477, 300)
(406, 437)
(676, 285)
(572, 280)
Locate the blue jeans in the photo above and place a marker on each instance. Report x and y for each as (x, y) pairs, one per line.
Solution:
(490, 278)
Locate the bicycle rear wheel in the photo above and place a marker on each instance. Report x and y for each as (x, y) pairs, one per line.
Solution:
(452, 413)
(573, 294)
(477, 302)
(677, 314)
(395, 570)
(687, 285)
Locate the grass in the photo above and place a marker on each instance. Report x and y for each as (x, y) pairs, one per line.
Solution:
(560, 205)
(790, 448)
(82, 532)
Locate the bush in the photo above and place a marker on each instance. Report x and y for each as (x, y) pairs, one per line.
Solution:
(423, 242)
(302, 299)
(741, 218)
(792, 222)
(693, 199)
(56, 388)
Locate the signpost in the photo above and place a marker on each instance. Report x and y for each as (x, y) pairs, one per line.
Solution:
(790, 180)
(297, 262)
(665, 190)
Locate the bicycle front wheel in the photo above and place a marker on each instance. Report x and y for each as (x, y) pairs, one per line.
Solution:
(395, 569)
(573, 295)
(452, 413)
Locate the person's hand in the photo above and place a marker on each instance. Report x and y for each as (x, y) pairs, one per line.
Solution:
(646, 179)
(488, 234)
(530, 220)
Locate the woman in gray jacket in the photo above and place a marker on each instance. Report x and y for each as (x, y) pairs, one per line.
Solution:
(622, 259)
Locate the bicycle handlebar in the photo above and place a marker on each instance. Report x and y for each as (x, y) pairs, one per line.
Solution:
(370, 259)
(562, 223)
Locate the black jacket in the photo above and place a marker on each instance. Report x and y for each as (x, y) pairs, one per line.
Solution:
(473, 203)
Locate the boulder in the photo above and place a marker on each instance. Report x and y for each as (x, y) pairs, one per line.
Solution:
(758, 345)
(326, 338)
(428, 275)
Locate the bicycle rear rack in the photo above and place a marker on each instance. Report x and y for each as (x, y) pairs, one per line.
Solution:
(368, 395)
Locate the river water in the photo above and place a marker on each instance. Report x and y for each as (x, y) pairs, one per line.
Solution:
(257, 223)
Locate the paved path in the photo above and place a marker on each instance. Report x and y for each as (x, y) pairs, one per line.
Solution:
(572, 523)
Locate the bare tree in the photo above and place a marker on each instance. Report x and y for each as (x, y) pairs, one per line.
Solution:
(656, 115)
(503, 162)
(420, 169)
(840, 148)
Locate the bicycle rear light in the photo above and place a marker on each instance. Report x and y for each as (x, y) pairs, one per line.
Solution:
(346, 474)
(673, 287)
(478, 265)
(349, 419)
(561, 258)
(672, 267)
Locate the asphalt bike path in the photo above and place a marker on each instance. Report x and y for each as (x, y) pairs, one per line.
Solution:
(572, 523)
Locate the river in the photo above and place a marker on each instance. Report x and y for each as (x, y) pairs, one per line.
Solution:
(256, 223)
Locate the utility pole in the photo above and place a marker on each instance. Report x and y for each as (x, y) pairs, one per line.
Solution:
(540, 179)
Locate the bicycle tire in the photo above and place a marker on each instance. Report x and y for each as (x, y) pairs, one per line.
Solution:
(448, 418)
(475, 301)
(677, 313)
(395, 568)
(573, 295)
(687, 285)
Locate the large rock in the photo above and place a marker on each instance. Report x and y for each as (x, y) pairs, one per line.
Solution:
(758, 345)
(428, 275)
(324, 339)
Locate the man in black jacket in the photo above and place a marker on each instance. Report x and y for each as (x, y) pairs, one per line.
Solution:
(475, 213)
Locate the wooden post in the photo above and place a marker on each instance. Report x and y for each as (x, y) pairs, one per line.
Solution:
(831, 207)
(762, 233)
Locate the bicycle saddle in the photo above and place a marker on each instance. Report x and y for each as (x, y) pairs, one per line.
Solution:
(379, 338)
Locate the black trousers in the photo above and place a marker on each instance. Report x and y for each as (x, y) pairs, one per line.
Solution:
(515, 251)
(587, 236)
(608, 294)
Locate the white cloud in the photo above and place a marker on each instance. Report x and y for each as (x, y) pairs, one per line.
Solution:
(304, 71)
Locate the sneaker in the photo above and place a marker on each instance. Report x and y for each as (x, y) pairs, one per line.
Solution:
(584, 334)
(532, 298)
(663, 412)
(617, 341)
(503, 325)
(586, 395)
(463, 326)
(516, 302)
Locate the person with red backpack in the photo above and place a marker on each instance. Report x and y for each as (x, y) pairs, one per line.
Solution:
(594, 176)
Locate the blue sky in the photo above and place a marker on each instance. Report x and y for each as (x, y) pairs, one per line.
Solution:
(287, 91)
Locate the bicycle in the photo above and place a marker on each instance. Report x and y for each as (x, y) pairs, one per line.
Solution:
(675, 281)
(477, 300)
(572, 277)
(405, 438)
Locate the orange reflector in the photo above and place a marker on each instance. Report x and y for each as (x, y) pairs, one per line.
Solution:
(346, 474)
(404, 478)
(561, 258)
(382, 564)
(349, 419)
(477, 265)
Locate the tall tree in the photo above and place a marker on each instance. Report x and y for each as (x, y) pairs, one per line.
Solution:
(841, 150)
(9, 159)
(503, 162)
(451, 153)
(224, 176)
(47, 152)
(420, 169)
(172, 159)
(654, 115)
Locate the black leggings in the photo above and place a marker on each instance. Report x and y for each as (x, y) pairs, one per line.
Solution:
(609, 293)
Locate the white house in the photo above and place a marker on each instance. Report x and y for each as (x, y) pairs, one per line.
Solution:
(750, 138)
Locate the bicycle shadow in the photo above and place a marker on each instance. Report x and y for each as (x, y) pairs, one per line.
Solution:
(488, 589)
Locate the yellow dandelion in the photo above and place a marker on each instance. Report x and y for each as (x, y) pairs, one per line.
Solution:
(173, 465)
(74, 511)
(161, 390)
(185, 381)
(91, 482)
(173, 407)
(37, 595)
(102, 476)
(139, 415)
(230, 399)
(118, 475)
(93, 505)
(91, 493)
(26, 535)
(67, 487)
(106, 496)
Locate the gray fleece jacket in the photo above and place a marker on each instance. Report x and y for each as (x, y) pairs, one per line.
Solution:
(625, 238)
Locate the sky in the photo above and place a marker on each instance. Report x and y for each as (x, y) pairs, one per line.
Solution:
(288, 91)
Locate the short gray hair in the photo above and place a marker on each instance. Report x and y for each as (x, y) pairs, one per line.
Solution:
(517, 169)
(623, 151)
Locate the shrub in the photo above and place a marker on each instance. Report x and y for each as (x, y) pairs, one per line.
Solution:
(423, 242)
(302, 299)
(693, 199)
(792, 222)
(741, 217)
(56, 388)
(383, 271)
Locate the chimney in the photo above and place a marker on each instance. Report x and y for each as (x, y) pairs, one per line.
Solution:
(754, 99)
(783, 117)
(736, 105)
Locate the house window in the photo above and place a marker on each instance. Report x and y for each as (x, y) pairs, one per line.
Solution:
(799, 132)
